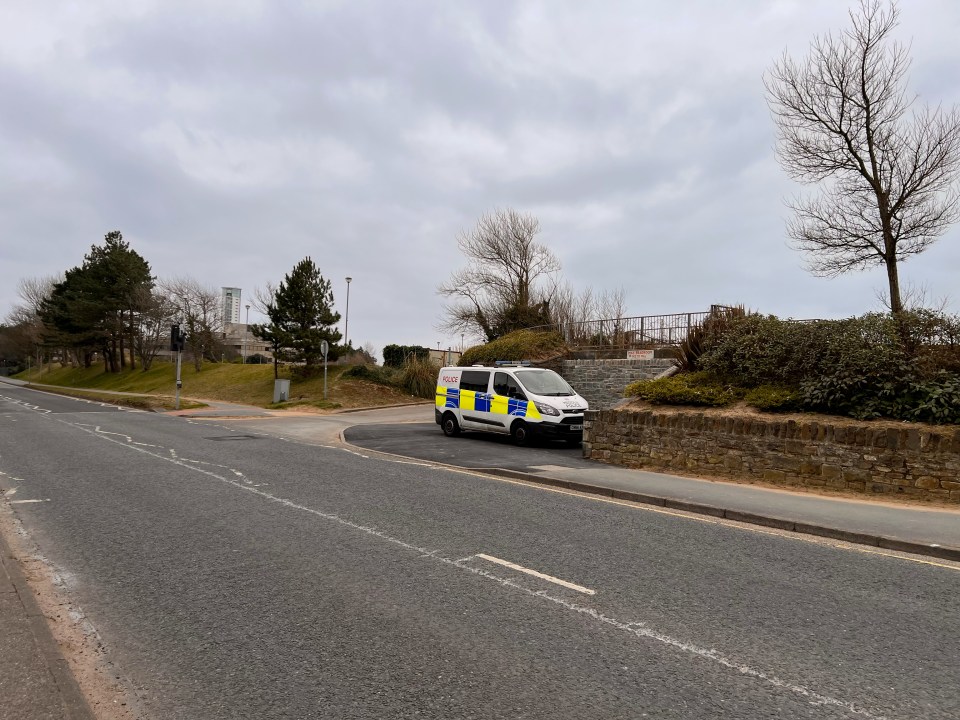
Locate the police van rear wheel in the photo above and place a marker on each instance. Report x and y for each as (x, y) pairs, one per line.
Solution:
(520, 433)
(450, 425)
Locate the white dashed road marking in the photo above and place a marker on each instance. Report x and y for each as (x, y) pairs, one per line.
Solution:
(542, 576)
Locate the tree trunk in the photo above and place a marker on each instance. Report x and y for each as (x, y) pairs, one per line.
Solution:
(133, 356)
(896, 304)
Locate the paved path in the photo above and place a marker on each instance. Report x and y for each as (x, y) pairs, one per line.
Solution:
(932, 531)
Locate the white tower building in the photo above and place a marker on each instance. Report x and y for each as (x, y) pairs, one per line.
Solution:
(231, 305)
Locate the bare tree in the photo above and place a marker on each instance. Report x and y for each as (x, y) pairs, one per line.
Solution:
(499, 289)
(33, 291)
(25, 316)
(263, 297)
(568, 306)
(888, 174)
(200, 311)
(153, 314)
(611, 304)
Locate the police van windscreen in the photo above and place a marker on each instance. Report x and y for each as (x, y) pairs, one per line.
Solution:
(543, 382)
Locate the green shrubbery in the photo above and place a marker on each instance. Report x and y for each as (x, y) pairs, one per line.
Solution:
(371, 373)
(699, 389)
(417, 377)
(867, 367)
(519, 345)
(774, 398)
(397, 355)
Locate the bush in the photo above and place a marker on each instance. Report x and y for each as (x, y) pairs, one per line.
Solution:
(757, 350)
(705, 335)
(397, 355)
(372, 373)
(933, 338)
(419, 378)
(699, 389)
(774, 398)
(897, 394)
(519, 345)
(936, 400)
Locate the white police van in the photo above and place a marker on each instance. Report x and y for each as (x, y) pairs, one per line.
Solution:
(511, 398)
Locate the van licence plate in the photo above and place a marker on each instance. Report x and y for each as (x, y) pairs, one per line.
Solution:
(576, 427)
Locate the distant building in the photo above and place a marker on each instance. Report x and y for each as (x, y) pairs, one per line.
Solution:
(231, 305)
(445, 357)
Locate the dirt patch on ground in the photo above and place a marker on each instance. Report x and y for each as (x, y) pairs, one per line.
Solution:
(98, 676)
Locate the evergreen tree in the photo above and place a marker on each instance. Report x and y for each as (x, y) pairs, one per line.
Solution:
(94, 307)
(301, 317)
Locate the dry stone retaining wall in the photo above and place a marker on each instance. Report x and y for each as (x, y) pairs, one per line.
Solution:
(868, 457)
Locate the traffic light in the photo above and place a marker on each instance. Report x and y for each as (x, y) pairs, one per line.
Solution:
(177, 338)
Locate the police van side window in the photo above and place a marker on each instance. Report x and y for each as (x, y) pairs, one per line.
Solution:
(476, 380)
(503, 384)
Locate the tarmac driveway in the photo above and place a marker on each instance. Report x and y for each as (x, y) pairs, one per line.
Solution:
(425, 441)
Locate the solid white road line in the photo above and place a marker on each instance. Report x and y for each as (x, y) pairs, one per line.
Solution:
(542, 576)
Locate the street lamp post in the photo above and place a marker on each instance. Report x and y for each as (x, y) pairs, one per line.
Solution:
(346, 318)
(243, 338)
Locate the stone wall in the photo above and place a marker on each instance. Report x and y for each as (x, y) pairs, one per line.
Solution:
(882, 457)
(602, 382)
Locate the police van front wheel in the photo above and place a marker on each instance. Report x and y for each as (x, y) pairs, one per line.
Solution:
(520, 433)
(451, 427)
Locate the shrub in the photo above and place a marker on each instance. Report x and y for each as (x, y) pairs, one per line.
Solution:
(397, 355)
(705, 335)
(699, 389)
(757, 350)
(519, 345)
(372, 373)
(936, 400)
(897, 394)
(933, 339)
(774, 398)
(419, 378)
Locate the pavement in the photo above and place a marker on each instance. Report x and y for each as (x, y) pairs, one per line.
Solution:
(35, 681)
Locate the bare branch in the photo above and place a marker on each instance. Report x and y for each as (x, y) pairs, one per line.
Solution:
(887, 175)
(502, 286)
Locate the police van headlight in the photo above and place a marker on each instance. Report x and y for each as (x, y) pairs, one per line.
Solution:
(546, 409)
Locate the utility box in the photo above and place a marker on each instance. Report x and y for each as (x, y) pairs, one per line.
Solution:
(281, 391)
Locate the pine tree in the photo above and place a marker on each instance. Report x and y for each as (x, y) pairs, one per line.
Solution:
(93, 308)
(301, 317)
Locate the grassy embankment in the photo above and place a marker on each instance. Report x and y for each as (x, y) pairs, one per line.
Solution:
(227, 382)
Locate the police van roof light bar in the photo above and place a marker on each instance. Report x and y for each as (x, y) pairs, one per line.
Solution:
(512, 363)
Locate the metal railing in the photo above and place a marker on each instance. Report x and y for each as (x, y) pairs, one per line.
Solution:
(645, 331)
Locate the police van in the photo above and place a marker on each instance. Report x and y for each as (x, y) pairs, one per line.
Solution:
(511, 398)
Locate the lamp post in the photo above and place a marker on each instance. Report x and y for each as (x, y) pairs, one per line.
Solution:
(346, 317)
(243, 339)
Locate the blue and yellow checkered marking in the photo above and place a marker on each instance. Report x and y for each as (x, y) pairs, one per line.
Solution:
(454, 398)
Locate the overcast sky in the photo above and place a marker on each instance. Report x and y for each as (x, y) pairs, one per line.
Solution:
(228, 140)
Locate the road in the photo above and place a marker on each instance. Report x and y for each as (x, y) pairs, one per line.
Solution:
(243, 574)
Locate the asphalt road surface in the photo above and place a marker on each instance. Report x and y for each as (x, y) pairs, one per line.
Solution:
(426, 441)
(233, 574)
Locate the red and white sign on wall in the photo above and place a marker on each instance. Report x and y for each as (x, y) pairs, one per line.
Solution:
(639, 354)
